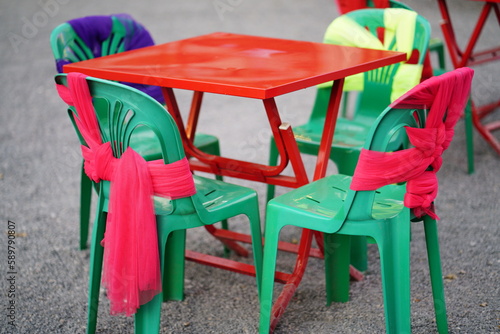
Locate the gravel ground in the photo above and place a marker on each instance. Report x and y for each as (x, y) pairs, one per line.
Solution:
(39, 186)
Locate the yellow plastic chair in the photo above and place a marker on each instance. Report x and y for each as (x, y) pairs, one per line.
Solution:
(121, 111)
(95, 36)
(338, 207)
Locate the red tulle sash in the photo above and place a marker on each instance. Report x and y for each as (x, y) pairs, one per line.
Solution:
(446, 96)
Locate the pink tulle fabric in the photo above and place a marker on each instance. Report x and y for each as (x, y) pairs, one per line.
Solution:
(346, 6)
(446, 96)
(131, 271)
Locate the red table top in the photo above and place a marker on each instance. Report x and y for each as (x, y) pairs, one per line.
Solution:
(240, 65)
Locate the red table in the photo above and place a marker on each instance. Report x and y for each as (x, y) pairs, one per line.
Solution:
(470, 57)
(251, 67)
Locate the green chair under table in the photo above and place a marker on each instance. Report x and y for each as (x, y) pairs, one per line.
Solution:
(403, 31)
(96, 36)
(389, 191)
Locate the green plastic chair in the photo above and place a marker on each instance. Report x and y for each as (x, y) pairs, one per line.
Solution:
(68, 47)
(330, 206)
(121, 110)
(377, 88)
(436, 46)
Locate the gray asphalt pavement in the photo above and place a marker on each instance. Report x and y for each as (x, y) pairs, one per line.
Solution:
(43, 275)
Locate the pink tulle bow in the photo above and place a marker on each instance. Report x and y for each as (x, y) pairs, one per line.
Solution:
(98, 162)
(421, 192)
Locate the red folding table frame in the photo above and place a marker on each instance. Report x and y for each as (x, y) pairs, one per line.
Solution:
(470, 57)
(250, 67)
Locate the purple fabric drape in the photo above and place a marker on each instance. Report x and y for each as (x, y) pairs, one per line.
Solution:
(94, 30)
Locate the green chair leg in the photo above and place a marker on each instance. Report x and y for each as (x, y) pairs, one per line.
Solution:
(268, 270)
(173, 281)
(395, 263)
(96, 259)
(436, 45)
(254, 216)
(337, 277)
(85, 200)
(359, 250)
(148, 316)
(469, 134)
(432, 241)
(273, 160)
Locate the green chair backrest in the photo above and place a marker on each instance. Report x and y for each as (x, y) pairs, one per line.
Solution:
(67, 45)
(120, 111)
(392, 29)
